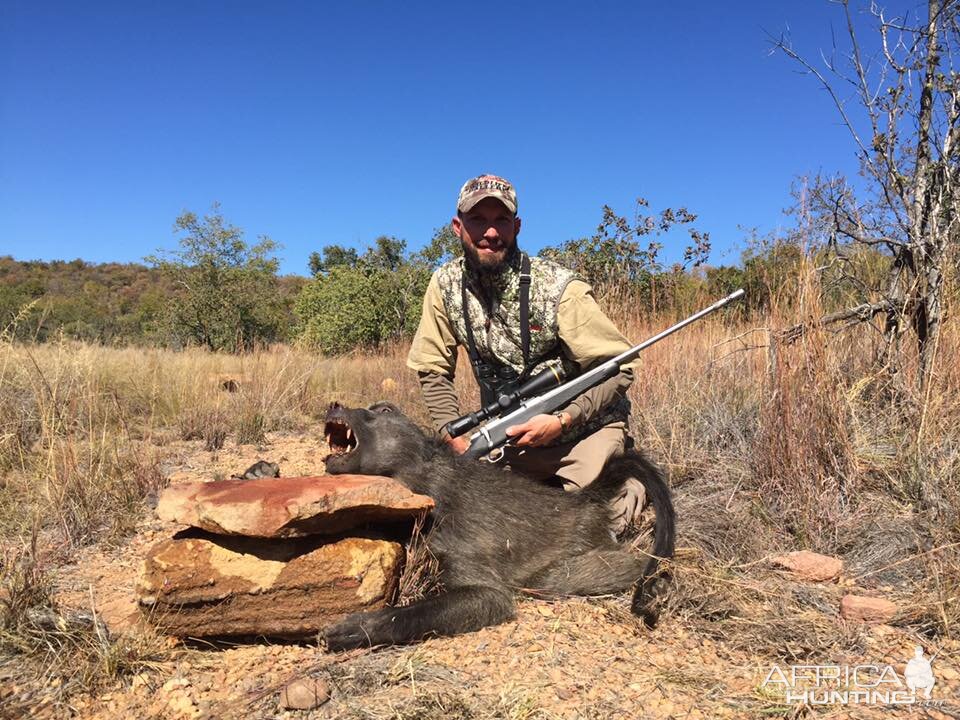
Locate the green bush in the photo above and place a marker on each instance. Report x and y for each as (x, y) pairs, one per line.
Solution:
(340, 310)
(363, 301)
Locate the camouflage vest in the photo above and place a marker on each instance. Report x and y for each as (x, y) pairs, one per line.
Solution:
(496, 327)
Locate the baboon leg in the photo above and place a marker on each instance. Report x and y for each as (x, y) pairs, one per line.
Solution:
(460, 609)
(596, 572)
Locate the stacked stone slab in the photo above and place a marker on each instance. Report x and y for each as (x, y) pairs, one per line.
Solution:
(278, 557)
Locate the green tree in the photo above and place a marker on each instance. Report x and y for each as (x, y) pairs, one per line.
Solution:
(387, 253)
(443, 246)
(330, 257)
(226, 295)
(623, 256)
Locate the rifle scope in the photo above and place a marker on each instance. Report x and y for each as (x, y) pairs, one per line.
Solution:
(538, 384)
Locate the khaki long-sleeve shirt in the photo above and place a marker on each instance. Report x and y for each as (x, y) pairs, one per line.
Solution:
(587, 336)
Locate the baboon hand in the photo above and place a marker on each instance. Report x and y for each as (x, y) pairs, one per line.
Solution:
(356, 631)
(538, 430)
(458, 444)
(346, 634)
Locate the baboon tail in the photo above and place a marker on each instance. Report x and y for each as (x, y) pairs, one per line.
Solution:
(614, 474)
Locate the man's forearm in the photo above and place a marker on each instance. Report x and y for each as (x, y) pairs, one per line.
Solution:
(440, 397)
(588, 405)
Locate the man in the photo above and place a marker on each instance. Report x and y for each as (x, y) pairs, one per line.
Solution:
(516, 316)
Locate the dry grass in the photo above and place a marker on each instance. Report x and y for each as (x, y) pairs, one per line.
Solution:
(56, 650)
(769, 447)
(421, 572)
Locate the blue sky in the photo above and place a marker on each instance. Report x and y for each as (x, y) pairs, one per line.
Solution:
(319, 123)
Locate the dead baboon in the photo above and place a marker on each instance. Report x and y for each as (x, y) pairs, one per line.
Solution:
(260, 469)
(496, 533)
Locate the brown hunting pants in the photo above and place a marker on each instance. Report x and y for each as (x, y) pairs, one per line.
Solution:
(578, 464)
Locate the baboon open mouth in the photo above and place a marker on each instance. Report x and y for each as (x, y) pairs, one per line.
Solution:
(340, 437)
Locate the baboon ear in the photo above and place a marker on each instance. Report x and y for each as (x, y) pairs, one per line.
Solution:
(384, 407)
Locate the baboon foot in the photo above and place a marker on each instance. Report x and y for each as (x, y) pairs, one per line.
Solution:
(647, 598)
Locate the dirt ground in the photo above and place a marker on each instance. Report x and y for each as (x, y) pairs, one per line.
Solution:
(575, 658)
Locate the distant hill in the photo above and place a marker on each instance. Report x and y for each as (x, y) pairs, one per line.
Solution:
(110, 303)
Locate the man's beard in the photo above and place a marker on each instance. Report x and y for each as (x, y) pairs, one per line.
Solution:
(489, 266)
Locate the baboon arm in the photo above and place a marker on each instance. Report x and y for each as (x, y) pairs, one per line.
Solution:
(458, 610)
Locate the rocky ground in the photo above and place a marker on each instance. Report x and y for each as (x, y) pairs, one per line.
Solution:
(575, 658)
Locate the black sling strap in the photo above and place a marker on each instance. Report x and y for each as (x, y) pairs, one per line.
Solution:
(524, 316)
(525, 310)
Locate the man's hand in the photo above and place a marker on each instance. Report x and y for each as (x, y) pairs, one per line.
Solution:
(458, 444)
(537, 431)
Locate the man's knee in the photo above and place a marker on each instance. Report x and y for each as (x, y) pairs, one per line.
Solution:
(584, 460)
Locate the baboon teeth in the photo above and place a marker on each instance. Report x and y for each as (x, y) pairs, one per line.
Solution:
(340, 437)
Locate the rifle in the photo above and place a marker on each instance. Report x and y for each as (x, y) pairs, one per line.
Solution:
(546, 392)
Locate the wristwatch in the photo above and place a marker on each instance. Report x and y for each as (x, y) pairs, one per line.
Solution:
(564, 425)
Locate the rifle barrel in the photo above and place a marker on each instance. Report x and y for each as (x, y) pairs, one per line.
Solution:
(493, 434)
(637, 349)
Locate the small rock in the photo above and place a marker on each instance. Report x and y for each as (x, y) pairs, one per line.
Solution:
(304, 694)
(175, 683)
(810, 566)
(388, 385)
(866, 609)
(230, 382)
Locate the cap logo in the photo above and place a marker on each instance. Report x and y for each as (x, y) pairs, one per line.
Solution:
(488, 184)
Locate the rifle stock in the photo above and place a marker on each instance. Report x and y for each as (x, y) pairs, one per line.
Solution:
(493, 435)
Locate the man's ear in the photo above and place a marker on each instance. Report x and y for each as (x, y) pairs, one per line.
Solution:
(457, 225)
(516, 226)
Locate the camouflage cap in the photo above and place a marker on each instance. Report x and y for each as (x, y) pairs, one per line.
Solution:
(484, 186)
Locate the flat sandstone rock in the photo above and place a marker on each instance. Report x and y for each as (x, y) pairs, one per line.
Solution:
(810, 566)
(289, 507)
(867, 609)
(223, 587)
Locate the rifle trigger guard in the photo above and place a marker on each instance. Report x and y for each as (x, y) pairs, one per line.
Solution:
(495, 455)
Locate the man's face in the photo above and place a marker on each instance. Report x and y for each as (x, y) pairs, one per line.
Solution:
(488, 232)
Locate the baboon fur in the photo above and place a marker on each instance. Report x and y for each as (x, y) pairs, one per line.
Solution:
(495, 532)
